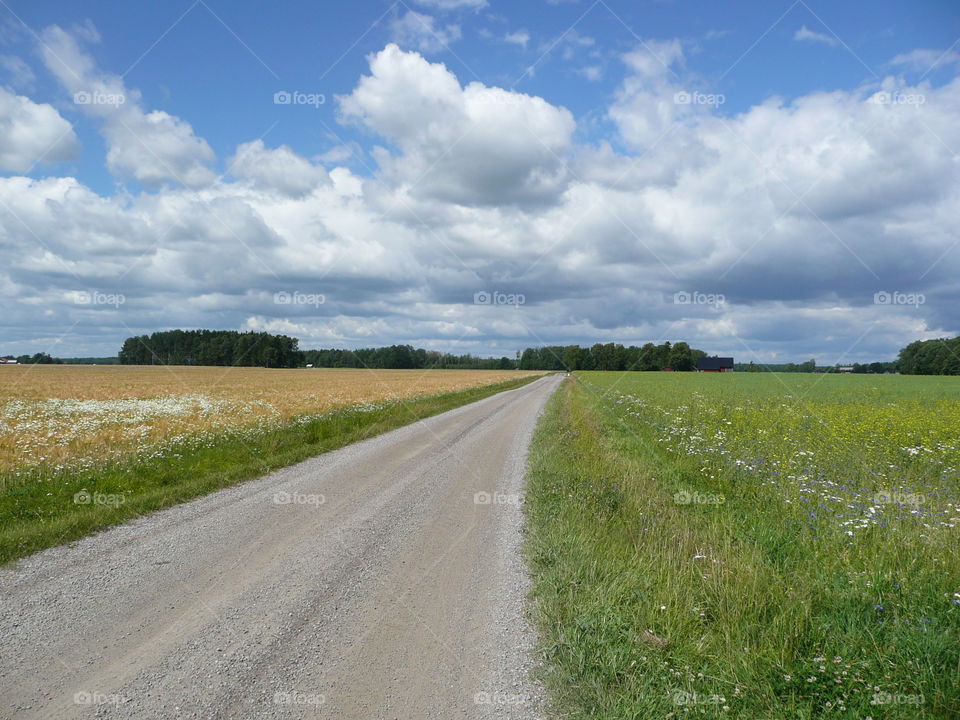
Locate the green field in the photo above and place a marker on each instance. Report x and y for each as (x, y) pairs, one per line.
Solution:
(757, 546)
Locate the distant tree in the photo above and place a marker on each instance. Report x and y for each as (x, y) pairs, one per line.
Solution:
(571, 357)
(930, 357)
(681, 357)
(662, 355)
(39, 358)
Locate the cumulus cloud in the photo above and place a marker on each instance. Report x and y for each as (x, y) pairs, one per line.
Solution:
(474, 145)
(649, 101)
(797, 211)
(152, 147)
(31, 133)
(278, 169)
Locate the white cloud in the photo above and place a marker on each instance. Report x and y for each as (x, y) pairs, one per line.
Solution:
(925, 60)
(806, 34)
(474, 145)
(454, 4)
(421, 32)
(520, 37)
(593, 73)
(31, 133)
(797, 210)
(570, 43)
(646, 106)
(19, 73)
(280, 169)
(152, 147)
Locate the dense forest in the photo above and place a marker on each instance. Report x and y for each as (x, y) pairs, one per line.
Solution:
(211, 347)
(931, 357)
(611, 356)
(402, 357)
(228, 347)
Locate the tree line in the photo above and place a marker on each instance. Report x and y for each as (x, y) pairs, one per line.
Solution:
(402, 357)
(39, 358)
(211, 347)
(252, 349)
(611, 356)
(931, 357)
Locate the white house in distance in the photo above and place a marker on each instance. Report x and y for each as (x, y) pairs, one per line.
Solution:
(7, 361)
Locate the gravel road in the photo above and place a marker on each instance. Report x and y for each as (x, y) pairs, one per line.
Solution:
(379, 581)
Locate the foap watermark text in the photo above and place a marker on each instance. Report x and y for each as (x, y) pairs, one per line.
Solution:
(284, 97)
(299, 298)
(496, 297)
(698, 298)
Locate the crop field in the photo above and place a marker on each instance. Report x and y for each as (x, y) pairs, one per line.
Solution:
(750, 545)
(83, 447)
(65, 417)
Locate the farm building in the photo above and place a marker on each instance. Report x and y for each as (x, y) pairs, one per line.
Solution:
(715, 364)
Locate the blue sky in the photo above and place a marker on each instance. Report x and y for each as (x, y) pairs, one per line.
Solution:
(782, 165)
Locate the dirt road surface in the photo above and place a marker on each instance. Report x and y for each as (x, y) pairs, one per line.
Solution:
(380, 581)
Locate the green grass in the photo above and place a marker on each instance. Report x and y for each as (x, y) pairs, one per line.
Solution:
(652, 607)
(39, 511)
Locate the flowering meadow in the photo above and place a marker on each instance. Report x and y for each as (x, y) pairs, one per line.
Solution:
(750, 545)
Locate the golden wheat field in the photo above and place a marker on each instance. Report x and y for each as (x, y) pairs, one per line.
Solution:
(60, 416)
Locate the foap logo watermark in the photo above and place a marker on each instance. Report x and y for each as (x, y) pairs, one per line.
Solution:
(698, 298)
(284, 97)
(499, 698)
(495, 498)
(85, 497)
(299, 298)
(88, 697)
(897, 497)
(496, 297)
(685, 497)
(295, 498)
(885, 698)
(690, 697)
(95, 297)
(885, 97)
(698, 98)
(291, 697)
(910, 299)
(99, 98)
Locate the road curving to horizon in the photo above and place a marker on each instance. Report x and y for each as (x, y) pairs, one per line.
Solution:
(380, 580)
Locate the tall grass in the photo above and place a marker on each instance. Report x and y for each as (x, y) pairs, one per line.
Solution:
(672, 577)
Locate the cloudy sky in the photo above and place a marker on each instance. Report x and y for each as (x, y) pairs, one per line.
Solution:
(768, 179)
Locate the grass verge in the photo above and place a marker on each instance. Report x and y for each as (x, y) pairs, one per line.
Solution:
(652, 609)
(40, 511)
